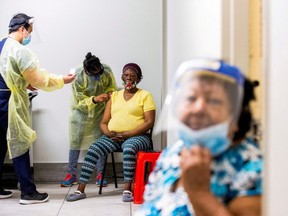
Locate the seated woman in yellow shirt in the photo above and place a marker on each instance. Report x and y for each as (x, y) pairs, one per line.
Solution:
(128, 116)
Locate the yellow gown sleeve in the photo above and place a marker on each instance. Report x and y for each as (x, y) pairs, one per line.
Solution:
(85, 88)
(31, 71)
(41, 79)
(82, 95)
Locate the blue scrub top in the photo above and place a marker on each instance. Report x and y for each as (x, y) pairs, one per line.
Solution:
(4, 94)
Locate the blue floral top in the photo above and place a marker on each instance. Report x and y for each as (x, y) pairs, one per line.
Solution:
(236, 172)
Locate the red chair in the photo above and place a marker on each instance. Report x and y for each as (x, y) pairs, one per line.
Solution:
(144, 164)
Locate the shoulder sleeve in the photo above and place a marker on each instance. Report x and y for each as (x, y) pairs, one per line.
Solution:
(149, 103)
(82, 100)
(38, 77)
(26, 59)
(248, 180)
(115, 95)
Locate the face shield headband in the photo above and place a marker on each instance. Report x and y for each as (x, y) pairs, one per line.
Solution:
(17, 22)
(216, 66)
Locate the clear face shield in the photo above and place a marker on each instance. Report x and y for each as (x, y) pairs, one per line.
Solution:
(35, 36)
(29, 24)
(203, 106)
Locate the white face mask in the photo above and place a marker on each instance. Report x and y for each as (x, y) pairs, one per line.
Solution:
(214, 138)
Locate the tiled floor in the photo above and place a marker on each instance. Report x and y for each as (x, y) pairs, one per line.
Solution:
(109, 203)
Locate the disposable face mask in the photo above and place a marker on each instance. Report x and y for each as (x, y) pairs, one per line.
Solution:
(27, 40)
(128, 85)
(214, 138)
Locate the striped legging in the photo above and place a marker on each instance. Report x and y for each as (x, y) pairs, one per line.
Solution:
(104, 146)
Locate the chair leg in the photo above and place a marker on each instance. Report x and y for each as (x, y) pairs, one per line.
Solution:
(147, 171)
(114, 170)
(102, 178)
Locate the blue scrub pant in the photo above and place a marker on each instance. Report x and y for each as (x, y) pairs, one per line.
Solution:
(21, 163)
(3, 141)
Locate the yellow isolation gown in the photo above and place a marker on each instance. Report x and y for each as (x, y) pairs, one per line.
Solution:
(85, 115)
(19, 68)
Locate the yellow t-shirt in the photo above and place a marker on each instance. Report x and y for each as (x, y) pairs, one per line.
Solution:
(128, 115)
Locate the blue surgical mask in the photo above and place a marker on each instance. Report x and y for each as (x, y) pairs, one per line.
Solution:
(27, 40)
(214, 138)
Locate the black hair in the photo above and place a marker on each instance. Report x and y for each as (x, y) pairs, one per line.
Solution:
(18, 21)
(92, 64)
(246, 117)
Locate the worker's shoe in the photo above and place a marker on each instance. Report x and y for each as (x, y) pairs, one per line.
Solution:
(33, 198)
(98, 181)
(68, 181)
(5, 194)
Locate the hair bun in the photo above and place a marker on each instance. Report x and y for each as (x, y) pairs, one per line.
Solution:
(88, 56)
(256, 83)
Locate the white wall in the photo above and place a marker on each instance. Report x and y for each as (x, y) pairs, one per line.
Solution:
(206, 28)
(193, 30)
(235, 33)
(118, 32)
(275, 133)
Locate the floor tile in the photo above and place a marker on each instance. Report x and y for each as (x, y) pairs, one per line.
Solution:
(109, 203)
(134, 208)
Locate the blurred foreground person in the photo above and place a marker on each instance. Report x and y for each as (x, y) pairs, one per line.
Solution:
(211, 168)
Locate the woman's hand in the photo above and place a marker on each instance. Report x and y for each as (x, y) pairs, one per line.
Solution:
(109, 134)
(119, 137)
(195, 165)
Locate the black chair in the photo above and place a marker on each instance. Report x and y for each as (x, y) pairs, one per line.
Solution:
(115, 176)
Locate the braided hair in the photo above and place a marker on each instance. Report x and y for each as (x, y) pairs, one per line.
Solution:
(92, 64)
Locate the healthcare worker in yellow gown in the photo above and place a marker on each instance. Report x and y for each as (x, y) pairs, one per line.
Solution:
(19, 69)
(90, 92)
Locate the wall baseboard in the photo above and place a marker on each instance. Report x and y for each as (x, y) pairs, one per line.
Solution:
(55, 172)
